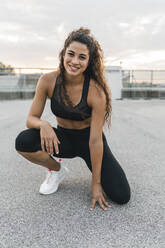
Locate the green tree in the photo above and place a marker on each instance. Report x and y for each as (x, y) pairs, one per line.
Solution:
(6, 68)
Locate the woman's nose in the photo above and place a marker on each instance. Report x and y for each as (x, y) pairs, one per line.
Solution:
(75, 60)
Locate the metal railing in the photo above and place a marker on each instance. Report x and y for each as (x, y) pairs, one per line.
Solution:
(14, 79)
(143, 78)
(22, 77)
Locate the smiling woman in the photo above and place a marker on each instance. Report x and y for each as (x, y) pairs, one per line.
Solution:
(76, 57)
(81, 101)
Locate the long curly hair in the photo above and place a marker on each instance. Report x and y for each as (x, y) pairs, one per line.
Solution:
(94, 70)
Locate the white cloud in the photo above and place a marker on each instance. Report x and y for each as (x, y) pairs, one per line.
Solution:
(60, 28)
(146, 20)
(146, 59)
(124, 25)
(33, 32)
(159, 25)
(9, 38)
(8, 27)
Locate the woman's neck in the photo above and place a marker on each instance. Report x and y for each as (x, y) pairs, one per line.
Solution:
(74, 80)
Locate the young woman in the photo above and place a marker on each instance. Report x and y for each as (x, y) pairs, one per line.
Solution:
(81, 101)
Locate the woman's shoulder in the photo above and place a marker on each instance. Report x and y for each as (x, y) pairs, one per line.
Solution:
(49, 76)
(95, 89)
(48, 80)
(96, 93)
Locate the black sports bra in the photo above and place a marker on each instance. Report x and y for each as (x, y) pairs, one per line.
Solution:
(59, 109)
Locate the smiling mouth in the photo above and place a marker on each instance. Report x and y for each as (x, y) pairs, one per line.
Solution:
(73, 68)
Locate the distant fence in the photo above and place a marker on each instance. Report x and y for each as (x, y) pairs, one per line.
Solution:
(21, 82)
(143, 78)
(20, 78)
(130, 78)
(144, 84)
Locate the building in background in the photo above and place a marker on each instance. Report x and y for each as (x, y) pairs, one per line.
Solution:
(114, 78)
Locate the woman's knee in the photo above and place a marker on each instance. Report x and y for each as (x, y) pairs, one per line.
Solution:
(20, 142)
(27, 140)
(120, 197)
(125, 198)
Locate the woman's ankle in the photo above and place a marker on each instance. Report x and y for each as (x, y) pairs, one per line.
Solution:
(54, 165)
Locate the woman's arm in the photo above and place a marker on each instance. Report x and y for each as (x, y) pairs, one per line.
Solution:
(96, 153)
(38, 104)
(98, 104)
(49, 140)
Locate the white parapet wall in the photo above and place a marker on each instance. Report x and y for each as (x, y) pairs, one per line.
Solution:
(18, 82)
(20, 86)
(9, 82)
(114, 77)
(27, 83)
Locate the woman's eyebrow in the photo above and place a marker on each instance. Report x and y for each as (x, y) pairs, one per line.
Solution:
(80, 53)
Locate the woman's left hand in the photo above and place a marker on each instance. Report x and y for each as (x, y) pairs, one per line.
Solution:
(97, 196)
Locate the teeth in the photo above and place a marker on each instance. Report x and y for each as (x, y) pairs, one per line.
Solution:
(74, 67)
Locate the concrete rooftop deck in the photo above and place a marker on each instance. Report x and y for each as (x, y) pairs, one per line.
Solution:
(63, 219)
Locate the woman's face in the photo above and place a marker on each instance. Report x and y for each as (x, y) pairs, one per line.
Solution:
(76, 58)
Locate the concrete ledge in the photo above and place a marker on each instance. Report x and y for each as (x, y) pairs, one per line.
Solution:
(11, 95)
(133, 93)
(146, 93)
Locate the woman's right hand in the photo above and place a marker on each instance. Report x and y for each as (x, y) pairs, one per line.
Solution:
(48, 138)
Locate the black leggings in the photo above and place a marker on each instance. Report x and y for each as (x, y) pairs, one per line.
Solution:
(75, 143)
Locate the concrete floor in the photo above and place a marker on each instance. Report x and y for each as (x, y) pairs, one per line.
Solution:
(63, 219)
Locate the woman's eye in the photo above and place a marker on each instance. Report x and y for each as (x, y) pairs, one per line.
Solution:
(81, 57)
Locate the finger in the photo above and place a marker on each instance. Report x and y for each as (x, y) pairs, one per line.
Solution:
(101, 204)
(42, 145)
(51, 147)
(93, 204)
(56, 146)
(106, 203)
(56, 139)
(103, 193)
(47, 145)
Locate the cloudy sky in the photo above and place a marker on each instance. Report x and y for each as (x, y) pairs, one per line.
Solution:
(130, 32)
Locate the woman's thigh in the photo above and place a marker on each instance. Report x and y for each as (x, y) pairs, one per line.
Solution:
(29, 141)
(113, 178)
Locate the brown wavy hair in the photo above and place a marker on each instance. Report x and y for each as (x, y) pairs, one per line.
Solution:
(94, 70)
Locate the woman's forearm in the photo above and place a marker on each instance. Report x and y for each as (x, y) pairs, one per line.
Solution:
(96, 154)
(34, 122)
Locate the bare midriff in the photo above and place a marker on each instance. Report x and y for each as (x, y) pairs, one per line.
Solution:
(70, 124)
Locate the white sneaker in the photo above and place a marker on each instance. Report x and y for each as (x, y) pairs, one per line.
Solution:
(53, 179)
